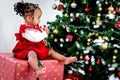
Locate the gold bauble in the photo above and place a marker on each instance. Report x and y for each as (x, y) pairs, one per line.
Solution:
(77, 52)
(111, 8)
(114, 57)
(90, 34)
(89, 40)
(106, 2)
(115, 51)
(99, 14)
(54, 6)
(100, 38)
(73, 4)
(55, 40)
(86, 16)
(51, 35)
(55, 31)
(98, 19)
(96, 34)
(81, 57)
(109, 12)
(104, 46)
(88, 43)
(66, 15)
(100, 9)
(113, 60)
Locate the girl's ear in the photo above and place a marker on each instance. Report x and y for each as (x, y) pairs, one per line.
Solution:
(29, 18)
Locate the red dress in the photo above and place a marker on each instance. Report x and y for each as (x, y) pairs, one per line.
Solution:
(24, 46)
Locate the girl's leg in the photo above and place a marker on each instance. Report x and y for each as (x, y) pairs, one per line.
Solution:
(58, 56)
(33, 62)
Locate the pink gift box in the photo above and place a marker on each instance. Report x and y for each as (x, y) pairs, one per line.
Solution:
(16, 69)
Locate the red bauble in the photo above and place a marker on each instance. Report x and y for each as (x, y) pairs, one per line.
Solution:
(60, 7)
(98, 61)
(86, 9)
(117, 25)
(118, 74)
(116, 10)
(90, 69)
(87, 58)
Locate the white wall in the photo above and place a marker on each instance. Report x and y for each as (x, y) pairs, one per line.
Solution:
(10, 22)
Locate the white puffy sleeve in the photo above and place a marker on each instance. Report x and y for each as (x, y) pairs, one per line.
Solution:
(34, 35)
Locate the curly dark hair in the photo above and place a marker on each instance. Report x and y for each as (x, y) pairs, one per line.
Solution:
(22, 8)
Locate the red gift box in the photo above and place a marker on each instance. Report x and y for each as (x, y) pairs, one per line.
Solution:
(16, 69)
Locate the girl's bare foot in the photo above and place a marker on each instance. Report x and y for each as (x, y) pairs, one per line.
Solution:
(70, 60)
(40, 71)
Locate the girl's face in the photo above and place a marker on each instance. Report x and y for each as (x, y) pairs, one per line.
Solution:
(36, 17)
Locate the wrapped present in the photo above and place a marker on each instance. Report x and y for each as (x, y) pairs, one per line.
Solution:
(16, 69)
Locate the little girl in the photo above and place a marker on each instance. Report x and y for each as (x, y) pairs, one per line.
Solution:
(31, 38)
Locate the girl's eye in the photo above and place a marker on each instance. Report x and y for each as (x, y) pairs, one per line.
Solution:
(38, 17)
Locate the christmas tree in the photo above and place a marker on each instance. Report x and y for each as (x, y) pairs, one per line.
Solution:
(89, 30)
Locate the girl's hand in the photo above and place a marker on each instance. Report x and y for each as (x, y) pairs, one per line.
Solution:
(46, 29)
(45, 42)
